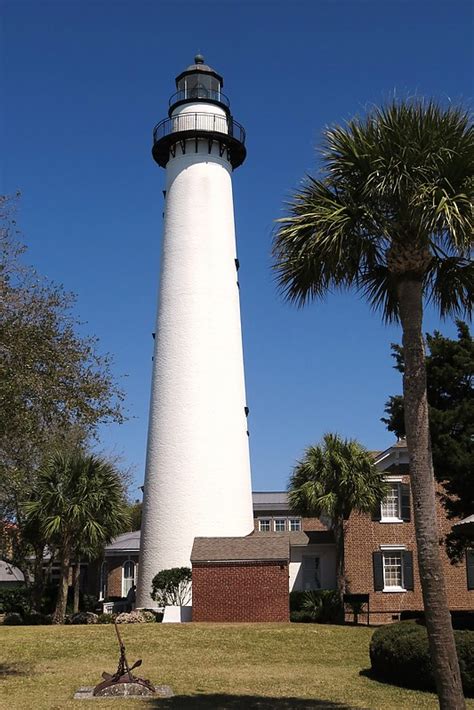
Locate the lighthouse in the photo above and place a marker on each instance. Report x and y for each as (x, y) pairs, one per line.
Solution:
(197, 479)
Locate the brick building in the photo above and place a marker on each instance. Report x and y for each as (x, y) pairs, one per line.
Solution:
(241, 579)
(236, 579)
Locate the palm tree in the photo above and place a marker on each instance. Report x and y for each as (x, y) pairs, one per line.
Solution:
(80, 506)
(333, 479)
(391, 215)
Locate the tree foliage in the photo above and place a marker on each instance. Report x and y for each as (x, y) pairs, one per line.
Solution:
(334, 479)
(78, 505)
(391, 216)
(450, 380)
(172, 587)
(55, 387)
(394, 200)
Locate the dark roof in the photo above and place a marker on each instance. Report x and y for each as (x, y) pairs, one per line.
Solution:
(241, 549)
(465, 527)
(270, 500)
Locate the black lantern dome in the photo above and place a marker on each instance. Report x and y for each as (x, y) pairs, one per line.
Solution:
(199, 83)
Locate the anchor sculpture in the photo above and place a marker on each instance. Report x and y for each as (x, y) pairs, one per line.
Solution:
(122, 675)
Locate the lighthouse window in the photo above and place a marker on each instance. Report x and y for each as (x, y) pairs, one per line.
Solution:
(199, 86)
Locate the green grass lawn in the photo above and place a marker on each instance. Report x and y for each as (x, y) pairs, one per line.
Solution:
(266, 666)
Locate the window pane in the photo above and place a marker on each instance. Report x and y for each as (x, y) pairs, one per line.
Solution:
(129, 570)
(264, 525)
(391, 504)
(392, 567)
(295, 524)
(280, 525)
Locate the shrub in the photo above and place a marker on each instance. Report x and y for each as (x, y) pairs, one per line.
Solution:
(172, 587)
(84, 617)
(399, 653)
(296, 601)
(132, 617)
(16, 600)
(106, 618)
(301, 617)
(148, 615)
(35, 618)
(319, 605)
(324, 605)
(87, 602)
(462, 620)
(13, 619)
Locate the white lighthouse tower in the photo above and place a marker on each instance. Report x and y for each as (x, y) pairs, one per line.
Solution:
(197, 480)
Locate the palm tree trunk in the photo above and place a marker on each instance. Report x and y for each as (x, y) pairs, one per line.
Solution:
(76, 581)
(38, 576)
(438, 619)
(60, 611)
(340, 564)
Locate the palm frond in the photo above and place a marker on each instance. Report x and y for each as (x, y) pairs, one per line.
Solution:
(401, 175)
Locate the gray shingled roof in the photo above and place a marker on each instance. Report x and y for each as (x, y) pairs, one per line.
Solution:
(236, 549)
(129, 542)
(9, 573)
(270, 500)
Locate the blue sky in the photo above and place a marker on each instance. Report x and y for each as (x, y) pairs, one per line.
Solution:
(84, 83)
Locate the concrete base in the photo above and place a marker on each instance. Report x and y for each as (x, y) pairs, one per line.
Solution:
(177, 614)
(122, 690)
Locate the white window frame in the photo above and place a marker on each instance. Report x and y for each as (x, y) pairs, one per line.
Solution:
(395, 550)
(294, 520)
(103, 581)
(264, 520)
(393, 481)
(134, 578)
(279, 520)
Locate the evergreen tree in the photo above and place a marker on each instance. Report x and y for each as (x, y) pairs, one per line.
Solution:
(450, 387)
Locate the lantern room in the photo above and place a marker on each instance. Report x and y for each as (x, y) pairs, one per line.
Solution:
(199, 82)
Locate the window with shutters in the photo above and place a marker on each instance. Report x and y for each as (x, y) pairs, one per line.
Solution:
(391, 504)
(393, 569)
(395, 508)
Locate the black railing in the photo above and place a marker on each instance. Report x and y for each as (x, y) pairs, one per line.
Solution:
(199, 93)
(206, 122)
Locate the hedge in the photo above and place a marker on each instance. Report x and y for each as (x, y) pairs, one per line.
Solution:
(399, 654)
(320, 605)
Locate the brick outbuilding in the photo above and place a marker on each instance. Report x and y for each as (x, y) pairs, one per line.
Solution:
(241, 579)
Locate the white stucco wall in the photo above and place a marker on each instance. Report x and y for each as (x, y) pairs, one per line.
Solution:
(197, 479)
(327, 555)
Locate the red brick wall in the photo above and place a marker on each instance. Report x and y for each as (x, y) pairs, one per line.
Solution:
(364, 536)
(247, 591)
